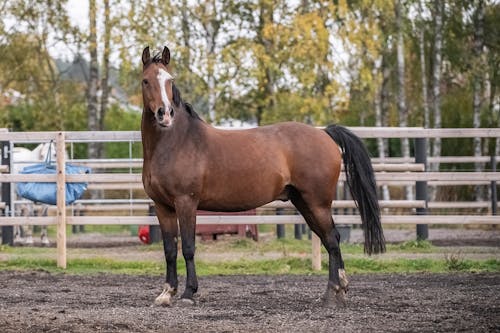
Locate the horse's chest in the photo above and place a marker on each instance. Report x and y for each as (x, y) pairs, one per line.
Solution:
(155, 187)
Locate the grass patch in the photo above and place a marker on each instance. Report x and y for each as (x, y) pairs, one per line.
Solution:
(251, 267)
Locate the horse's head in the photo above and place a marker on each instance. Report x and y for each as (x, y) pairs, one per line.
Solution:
(42, 151)
(158, 91)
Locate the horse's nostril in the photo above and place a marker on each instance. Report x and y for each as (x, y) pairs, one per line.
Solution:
(171, 112)
(161, 112)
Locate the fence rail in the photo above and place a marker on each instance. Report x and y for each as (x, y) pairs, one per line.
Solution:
(389, 171)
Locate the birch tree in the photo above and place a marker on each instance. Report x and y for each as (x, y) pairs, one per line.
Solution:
(93, 81)
(477, 77)
(436, 78)
(401, 99)
(105, 71)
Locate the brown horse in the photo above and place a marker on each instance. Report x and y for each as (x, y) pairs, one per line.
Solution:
(190, 165)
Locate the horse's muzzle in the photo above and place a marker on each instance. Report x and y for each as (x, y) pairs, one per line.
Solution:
(163, 118)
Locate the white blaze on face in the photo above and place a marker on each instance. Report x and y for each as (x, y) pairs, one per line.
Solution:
(163, 76)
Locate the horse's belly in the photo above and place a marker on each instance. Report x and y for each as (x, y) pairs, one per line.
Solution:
(238, 194)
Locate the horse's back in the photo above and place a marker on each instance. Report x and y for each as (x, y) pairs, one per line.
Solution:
(256, 165)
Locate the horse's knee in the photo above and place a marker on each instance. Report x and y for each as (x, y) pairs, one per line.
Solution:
(170, 248)
(188, 251)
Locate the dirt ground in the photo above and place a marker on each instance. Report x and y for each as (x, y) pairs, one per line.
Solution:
(42, 302)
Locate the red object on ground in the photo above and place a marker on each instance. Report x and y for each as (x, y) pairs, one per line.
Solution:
(144, 234)
(210, 231)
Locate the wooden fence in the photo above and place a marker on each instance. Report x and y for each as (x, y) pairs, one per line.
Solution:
(389, 171)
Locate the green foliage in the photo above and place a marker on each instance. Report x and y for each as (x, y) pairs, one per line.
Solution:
(121, 120)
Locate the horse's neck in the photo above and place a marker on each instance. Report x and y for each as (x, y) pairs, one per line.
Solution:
(153, 136)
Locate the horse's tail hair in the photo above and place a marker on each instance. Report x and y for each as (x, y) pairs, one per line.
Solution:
(361, 181)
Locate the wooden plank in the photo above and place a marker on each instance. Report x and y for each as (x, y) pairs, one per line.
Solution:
(14, 178)
(459, 204)
(391, 167)
(352, 204)
(90, 178)
(61, 201)
(110, 165)
(438, 176)
(119, 186)
(28, 220)
(433, 183)
(4, 168)
(106, 178)
(430, 159)
(28, 137)
(316, 252)
(418, 132)
(92, 136)
(459, 159)
(114, 207)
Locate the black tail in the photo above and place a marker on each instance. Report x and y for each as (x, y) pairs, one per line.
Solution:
(361, 180)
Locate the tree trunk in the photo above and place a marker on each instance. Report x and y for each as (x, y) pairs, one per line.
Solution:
(186, 34)
(478, 66)
(423, 74)
(436, 82)
(211, 26)
(266, 17)
(92, 104)
(401, 100)
(494, 104)
(379, 115)
(105, 72)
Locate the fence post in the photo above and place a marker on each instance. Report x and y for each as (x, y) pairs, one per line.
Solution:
(61, 200)
(280, 228)
(316, 252)
(297, 228)
(421, 186)
(494, 198)
(7, 231)
(154, 229)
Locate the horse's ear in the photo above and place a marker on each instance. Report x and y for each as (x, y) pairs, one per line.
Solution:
(146, 57)
(165, 56)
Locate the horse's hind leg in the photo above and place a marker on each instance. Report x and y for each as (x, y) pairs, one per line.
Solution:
(319, 219)
(43, 233)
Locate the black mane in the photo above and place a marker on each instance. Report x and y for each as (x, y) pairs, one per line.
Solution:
(178, 100)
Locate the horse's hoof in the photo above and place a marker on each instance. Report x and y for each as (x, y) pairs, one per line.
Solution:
(186, 302)
(165, 298)
(344, 283)
(29, 241)
(45, 241)
(334, 298)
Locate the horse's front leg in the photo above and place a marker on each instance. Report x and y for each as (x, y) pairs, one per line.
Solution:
(186, 212)
(169, 231)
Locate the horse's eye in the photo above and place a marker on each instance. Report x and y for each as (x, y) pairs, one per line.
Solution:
(145, 82)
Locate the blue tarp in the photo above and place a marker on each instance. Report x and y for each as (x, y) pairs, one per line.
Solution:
(47, 192)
